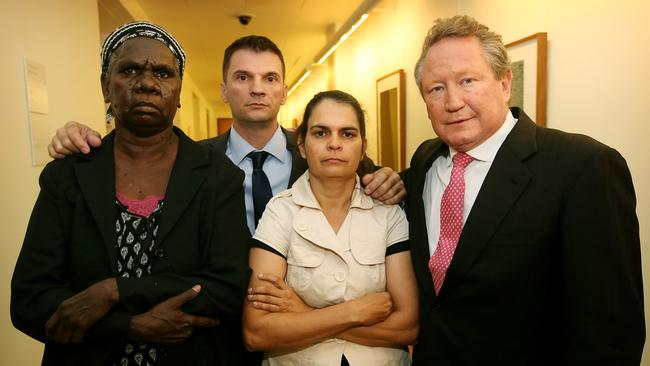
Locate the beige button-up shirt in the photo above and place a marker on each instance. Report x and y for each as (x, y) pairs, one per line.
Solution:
(326, 268)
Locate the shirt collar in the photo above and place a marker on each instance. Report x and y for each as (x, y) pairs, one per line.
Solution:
(240, 148)
(488, 149)
(304, 196)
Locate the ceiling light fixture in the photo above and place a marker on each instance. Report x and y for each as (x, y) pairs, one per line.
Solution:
(302, 78)
(365, 8)
(345, 36)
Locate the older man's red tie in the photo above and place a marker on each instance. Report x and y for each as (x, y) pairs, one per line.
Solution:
(451, 220)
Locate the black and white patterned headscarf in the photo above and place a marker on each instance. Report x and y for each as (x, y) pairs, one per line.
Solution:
(141, 29)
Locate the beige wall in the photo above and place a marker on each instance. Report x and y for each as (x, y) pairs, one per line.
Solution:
(185, 115)
(296, 102)
(51, 33)
(598, 72)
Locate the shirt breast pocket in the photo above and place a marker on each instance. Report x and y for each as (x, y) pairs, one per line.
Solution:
(303, 259)
(370, 252)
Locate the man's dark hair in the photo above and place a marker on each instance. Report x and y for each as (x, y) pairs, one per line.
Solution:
(253, 43)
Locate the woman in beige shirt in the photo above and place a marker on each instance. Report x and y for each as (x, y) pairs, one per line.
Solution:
(342, 253)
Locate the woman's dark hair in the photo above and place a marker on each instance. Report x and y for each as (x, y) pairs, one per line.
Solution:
(339, 97)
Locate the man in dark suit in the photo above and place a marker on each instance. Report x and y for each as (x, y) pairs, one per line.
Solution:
(254, 89)
(524, 239)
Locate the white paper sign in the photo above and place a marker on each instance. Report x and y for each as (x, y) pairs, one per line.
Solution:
(37, 111)
(36, 83)
(39, 129)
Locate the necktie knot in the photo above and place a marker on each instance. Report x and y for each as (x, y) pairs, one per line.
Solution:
(258, 158)
(461, 160)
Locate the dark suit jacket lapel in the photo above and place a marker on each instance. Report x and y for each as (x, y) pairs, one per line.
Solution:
(419, 238)
(96, 175)
(218, 143)
(503, 184)
(298, 164)
(190, 170)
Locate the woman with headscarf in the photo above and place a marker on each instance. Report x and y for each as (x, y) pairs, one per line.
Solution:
(136, 254)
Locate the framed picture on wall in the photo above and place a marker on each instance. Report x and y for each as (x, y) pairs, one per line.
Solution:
(391, 135)
(528, 61)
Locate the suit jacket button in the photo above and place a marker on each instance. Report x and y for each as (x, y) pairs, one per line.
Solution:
(159, 253)
(436, 308)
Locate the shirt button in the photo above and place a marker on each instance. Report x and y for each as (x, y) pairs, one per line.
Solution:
(301, 227)
(159, 253)
(339, 276)
(339, 340)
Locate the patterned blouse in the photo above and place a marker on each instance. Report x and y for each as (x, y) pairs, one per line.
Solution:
(136, 228)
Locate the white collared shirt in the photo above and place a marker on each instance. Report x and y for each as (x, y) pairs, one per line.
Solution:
(326, 267)
(277, 166)
(439, 173)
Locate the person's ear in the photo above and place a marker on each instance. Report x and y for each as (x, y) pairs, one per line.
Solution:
(506, 85)
(285, 92)
(364, 147)
(180, 89)
(301, 147)
(105, 87)
(224, 97)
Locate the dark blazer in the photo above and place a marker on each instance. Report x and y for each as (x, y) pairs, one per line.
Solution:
(547, 270)
(298, 166)
(70, 244)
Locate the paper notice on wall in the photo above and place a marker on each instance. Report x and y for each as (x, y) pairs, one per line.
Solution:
(39, 128)
(37, 111)
(36, 82)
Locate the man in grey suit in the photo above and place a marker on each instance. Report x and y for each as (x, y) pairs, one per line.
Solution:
(525, 240)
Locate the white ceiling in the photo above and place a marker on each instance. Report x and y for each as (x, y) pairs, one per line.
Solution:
(206, 27)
